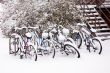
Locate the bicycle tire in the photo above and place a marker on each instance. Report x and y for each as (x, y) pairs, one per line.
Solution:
(15, 47)
(100, 50)
(31, 52)
(76, 37)
(49, 45)
(10, 52)
(73, 50)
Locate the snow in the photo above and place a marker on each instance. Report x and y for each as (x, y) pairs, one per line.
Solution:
(1, 8)
(44, 35)
(88, 63)
(65, 31)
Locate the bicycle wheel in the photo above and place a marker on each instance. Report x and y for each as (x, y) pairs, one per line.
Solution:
(77, 38)
(31, 53)
(48, 48)
(97, 46)
(13, 45)
(69, 49)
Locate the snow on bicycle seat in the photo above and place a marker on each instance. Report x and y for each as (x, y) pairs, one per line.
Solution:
(15, 35)
(18, 28)
(65, 31)
(61, 38)
(79, 24)
(44, 35)
(54, 30)
(28, 35)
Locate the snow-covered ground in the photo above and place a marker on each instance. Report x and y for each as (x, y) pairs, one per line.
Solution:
(88, 63)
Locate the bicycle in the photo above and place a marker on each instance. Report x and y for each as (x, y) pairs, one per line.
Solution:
(14, 43)
(44, 46)
(85, 34)
(62, 42)
(25, 46)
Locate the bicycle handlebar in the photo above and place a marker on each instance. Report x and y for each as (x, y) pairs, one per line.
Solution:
(20, 28)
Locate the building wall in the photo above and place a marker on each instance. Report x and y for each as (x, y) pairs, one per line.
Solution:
(107, 14)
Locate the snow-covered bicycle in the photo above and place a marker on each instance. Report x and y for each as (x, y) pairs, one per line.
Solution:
(58, 35)
(22, 45)
(83, 33)
(14, 42)
(45, 47)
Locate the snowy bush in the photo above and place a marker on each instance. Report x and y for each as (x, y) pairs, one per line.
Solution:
(46, 13)
(61, 12)
(19, 14)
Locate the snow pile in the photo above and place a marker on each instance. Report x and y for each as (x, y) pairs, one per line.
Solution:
(88, 63)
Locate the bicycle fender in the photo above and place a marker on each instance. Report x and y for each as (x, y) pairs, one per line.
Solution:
(73, 44)
(72, 41)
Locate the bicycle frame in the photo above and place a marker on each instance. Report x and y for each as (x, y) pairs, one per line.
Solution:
(87, 36)
(67, 40)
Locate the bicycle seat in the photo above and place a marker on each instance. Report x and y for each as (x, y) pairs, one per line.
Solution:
(28, 35)
(65, 31)
(45, 35)
(61, 38)
(53, 30)
(15, 35)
